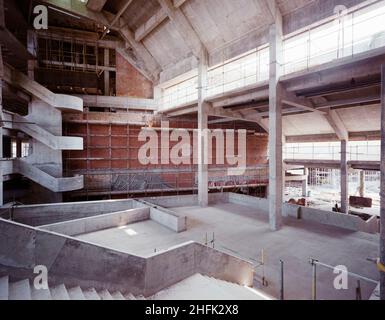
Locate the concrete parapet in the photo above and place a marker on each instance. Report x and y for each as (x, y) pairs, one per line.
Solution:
(43, 214)
(163, 216)
(99, 222)
(345, 221)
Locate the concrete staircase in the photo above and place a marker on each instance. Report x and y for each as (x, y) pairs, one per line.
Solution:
(24, 290)
(59, 101)
(55, 184)
(199, 287)
(45, 137)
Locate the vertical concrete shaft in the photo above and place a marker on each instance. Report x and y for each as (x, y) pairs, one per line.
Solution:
(32, 49)
(344, 178)
(202, 130)
(304, 182)
(382, 192)
(106, 72)
(1, 124)
(275, 125)
(362, 183)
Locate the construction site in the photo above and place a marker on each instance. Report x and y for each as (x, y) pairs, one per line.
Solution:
(192, 149)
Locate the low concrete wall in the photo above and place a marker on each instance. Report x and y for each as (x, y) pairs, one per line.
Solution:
(258, 203)
(183, 261)
(349, 222)
(186, 200)
(76, 262)
(43, 214)
(163, 216)
(100, 222)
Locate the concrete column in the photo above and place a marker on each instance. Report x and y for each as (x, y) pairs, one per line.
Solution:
(32, 49)
(1, 126)
(362, 183)
(202, 131)
(275, 125)
(382, 192)
(304, 182)
(344, 178)
(106, 73)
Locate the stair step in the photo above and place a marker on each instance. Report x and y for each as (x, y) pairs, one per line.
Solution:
(60, 293)
(118, 295)
(20, 290)
(91, 294)
(76, 293)
(130, 296)
(40, 294)
(105, 295)
(4, 288)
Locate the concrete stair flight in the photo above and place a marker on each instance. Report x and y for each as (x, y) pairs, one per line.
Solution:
(58, 101)
(25, 290)
(45, 137)
(199, 287)
(46, 180)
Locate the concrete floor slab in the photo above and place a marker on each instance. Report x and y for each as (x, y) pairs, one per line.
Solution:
(241, 231)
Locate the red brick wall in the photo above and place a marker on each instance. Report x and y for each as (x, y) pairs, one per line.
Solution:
(112, 150)
(130, 82)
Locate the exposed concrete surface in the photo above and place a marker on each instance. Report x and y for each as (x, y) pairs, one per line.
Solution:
(43, 214)
(199, 287)
(100, 222)
(244, 232)
(79, 263)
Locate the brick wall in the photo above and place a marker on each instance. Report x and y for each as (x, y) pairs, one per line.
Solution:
(130, 82)
(110, 162)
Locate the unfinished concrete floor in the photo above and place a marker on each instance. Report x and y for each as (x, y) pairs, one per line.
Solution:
(241, 231)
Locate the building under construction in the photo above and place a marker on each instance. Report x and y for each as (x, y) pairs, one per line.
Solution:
(149, 146)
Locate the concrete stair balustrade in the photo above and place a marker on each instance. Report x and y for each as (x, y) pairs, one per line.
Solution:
(25, 290)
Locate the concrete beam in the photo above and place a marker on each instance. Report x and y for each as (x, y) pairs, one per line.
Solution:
(382, 210)
(151, 24)
(67, 34)
(117, 16)
(338, 126)
(96, 5)
(292, 100)
(183, 26)
(275, 123)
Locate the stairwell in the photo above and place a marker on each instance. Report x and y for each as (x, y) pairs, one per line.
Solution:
(44, 125)
(25, 290)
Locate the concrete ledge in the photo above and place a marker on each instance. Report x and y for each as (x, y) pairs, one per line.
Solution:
(43, 214)
(163, 216)
(100, 222)
(186, 200)
(349, 222)
(185, 260)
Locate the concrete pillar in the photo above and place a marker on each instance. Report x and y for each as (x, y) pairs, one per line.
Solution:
(18, 148)
(344, 178)
(304, 182)
(362, 183)
(106, 73)
(382, 192)
(202, 131)
(1, 126)
(32, 49)
(275, 125)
